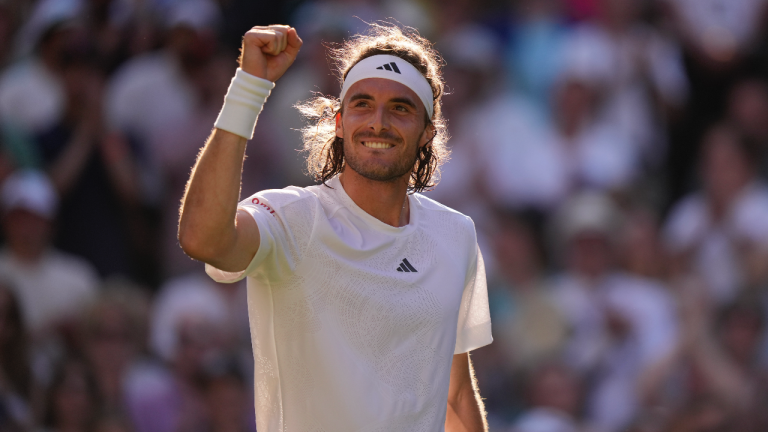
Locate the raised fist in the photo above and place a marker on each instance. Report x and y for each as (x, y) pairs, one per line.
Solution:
(267, 52)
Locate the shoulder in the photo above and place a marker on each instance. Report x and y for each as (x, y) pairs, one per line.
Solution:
(455, 230)
(433, 208)
(279, 198)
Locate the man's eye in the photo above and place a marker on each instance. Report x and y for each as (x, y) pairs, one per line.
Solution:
(361, 104)
(402, 108)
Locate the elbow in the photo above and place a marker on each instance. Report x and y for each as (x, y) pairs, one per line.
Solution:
(190, 244)
(194, 245)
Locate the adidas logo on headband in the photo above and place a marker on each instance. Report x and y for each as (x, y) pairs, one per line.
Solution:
(393, 67)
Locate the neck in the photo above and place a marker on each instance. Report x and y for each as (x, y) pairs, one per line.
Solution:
(384, 200)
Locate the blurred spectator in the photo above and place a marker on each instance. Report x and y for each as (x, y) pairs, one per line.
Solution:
(152, 90)
(716, 369)
(747, 110)
(15, 372)
(647, 77)
(114, 343)
(554, 395)
(52, 287)
(621, 325)
(536, 50)
(598, 153)
(528, 163)
(721, 231)
(721, 40)
(528, 326)
(717, 33)
(32, 94)
(192, 328)
(190, 297)
(474, 82)
(228, 401)
(95, 173)
(72, 403)
(641, 251)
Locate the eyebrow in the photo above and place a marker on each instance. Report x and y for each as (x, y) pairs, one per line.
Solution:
(402, 100)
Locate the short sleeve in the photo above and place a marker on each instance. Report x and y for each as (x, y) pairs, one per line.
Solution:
(285, 219)
(474, 326)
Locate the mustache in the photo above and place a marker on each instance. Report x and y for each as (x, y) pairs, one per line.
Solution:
(368, 136)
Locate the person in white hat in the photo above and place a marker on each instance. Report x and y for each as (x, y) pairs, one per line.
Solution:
(52, 287)
(365, 297)
(621, 325)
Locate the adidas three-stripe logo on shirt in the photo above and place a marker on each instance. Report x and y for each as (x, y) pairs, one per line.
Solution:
(405, 266)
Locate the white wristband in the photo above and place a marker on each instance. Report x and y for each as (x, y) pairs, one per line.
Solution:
(243, 103)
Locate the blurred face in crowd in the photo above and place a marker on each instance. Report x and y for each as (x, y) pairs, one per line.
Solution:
(228, 403)
(193, 47)
(574, 101)
(516, 252)
(27, 233)
(199, 344)
(725, 168)
(73, 398)
(589, 254)
(556, 387)
(748, 108)
(741, 334)
(111, 344)
(640, 247)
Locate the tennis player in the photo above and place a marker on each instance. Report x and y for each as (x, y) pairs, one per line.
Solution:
(365, 297)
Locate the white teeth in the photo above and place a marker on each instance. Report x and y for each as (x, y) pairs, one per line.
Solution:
(377, 145)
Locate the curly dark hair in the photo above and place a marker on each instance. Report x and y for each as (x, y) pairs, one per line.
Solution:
(325, 151)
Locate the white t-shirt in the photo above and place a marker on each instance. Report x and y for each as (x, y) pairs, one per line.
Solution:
(354, 322)
(58, 287)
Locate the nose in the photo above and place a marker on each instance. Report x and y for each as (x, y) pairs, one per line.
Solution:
(379, 120)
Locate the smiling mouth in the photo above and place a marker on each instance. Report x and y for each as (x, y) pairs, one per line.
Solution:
(377, 145)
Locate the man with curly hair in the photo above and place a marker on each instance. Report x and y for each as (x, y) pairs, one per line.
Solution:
(364, 296)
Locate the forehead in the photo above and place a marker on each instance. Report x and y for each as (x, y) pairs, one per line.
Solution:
(382, 89)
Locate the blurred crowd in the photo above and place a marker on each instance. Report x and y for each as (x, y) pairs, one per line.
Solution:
(612, 153)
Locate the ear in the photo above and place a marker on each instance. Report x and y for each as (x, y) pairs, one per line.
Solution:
(339, 127)
(427, 135)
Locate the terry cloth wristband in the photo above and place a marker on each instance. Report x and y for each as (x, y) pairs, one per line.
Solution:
(243, 103)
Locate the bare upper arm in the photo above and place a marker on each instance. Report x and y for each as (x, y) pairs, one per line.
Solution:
(244, 247)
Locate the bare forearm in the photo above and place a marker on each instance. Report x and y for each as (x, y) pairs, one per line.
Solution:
(466, 412)
(207, 220)
(466, 417)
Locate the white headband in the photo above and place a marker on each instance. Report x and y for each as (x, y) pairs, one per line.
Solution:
(392, 68)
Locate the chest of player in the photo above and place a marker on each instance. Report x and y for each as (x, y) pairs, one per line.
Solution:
(386, 290)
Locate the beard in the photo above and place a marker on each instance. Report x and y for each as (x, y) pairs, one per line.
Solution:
(376, 169)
